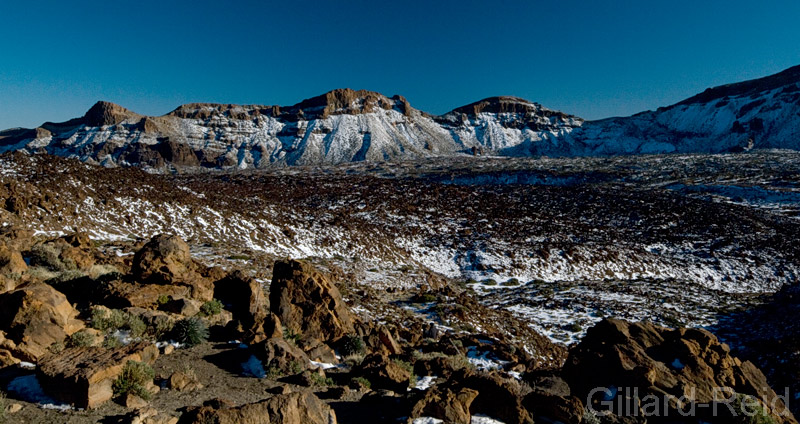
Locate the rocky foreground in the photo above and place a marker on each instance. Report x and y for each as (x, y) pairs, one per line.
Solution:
(149, 334)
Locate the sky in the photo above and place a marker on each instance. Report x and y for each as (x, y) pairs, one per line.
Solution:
(594, 59)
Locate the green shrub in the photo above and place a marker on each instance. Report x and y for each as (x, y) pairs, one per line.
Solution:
(291, 336)
(162, 300)
(321, 381)
(118, 320)
(190, 331)
(82, 338)
(489, 282)
(211, 308)
(352, 345)
(111, 342)
(362, 381)
(48, 256)
(426, 298)
(471, 281)
(135, 378)
(510, 283)
(404, 365)
(295, 367)
(56, 347)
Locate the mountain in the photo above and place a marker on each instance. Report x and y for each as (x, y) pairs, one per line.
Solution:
(340, 126)
(761, 113)
(349, 126)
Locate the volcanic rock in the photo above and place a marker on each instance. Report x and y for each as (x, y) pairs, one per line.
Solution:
(293, 408)
(307, 302)
(34, 317)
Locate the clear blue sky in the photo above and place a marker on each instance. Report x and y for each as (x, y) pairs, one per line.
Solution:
(591, 58)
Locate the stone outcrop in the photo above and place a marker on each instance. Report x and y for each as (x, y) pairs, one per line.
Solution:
(166, 260)
(34, 317)
(293, 408)
(384, 373)
(244, 297)
(446, 404)
(84, 376)
(279, 354)
(670, 364)
(307, 302)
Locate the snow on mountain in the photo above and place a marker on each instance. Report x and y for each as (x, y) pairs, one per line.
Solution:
(340, 126)
(761, 113)
(351, 126)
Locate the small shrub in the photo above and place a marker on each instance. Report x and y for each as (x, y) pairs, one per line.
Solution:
(295, 367)
(489, 282)
(575, 327)
(291, 336)
(404, 365)
(510, 283)
(426, 298)
(135, 378)
(56, 347)
(162, 299)
(190, 331)
(362, 381)
(211, 308)
(273, 373)
(118, 320)
(47, 256)
(82, 338)
(161, 328)
(471, 281)
(352, 345)
(111, 342)
(321, 381)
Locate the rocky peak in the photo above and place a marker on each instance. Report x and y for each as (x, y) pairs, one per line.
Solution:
(499, 104)
(107, 113)
(346, 101)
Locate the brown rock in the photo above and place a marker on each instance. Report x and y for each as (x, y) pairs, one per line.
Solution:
(182, 306)
(181, 382)
(307, 302)
(384, 373)
(498, 397)
(660, 361)
(34, 317)
(166, 260)
(84, 376)
(14, 408)
(387, 339)
(245, 298)
(447, 405)
(132, 401)
(293, 408)
(280, 354)
(11, 261)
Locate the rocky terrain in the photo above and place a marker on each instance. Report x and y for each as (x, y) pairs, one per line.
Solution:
(475, 289)
(344, 126)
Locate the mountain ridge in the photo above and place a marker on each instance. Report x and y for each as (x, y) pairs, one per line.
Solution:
(345, 125)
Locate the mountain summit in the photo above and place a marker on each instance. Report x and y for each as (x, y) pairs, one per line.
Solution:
(347, 125)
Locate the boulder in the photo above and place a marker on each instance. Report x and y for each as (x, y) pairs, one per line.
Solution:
(11, 261)
(498, 397)
(666, 363)
(384, 373)
(182, 382)
(282, 355)
(451, 406)
(84, 376)
(123, 294)
(244, 297)
(147, 415)
(307, 302)
(166, 260)
(34, 317)
(301, 407)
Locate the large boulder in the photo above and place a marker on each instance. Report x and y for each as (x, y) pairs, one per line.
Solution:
(444, 403)
(384, 373)
(244, 297)
(12, 265)
(292, 408)
(307, 302)
(281, 355)
(84, 376)
(34, 317)
(166, 260)
(498, 397)
(677, 366)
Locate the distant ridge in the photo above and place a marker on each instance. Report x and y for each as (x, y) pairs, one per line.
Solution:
(346, 125)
